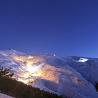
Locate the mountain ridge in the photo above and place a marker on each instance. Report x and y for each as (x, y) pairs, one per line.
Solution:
(68, 76)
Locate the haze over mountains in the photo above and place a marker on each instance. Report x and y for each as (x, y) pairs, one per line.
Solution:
(72, 76)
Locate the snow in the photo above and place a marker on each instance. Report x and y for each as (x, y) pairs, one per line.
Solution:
(71, 76)
(88, 69)
(5, 96)
(82, 60)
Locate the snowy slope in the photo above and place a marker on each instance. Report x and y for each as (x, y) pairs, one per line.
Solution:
(88, 67)
(5, 96)
(71, 76)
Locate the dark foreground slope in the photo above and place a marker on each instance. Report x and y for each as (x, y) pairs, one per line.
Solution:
(20, 90)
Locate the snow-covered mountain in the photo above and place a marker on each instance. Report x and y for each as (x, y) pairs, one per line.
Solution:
(68, 76)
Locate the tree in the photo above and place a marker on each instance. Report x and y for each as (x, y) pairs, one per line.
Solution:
(96, 86)
(4, 72)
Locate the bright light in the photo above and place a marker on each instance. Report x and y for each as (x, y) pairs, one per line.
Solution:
(32, 67)
(29, 68)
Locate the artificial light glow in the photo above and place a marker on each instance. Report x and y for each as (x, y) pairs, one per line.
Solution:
(32, 67)
(28, 67)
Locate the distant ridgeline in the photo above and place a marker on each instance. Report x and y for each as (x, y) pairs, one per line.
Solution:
(19, 90)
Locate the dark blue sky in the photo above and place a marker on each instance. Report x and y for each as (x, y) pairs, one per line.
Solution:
(64, 27)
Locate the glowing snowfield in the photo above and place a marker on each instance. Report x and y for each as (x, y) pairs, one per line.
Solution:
(33, 67)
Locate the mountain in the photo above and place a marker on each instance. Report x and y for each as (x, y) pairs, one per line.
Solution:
(72, 76)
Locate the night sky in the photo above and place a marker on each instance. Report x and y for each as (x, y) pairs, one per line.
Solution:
(63, 27)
